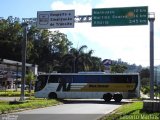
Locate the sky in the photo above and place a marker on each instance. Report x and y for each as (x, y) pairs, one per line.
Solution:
(128, 43)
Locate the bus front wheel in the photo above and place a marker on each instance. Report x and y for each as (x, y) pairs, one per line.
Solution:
(52, 95)
(107, 97)
(117, 97)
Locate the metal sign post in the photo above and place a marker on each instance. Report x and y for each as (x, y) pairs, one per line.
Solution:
(24, 42)
(151, 20)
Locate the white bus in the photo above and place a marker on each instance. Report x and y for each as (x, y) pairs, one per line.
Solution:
(96, 85)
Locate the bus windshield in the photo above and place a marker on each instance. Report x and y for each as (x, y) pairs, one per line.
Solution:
(41, 82)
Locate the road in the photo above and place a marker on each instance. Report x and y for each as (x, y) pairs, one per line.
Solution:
(70, 110)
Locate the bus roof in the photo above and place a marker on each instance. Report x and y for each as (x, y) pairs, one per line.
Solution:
(90, 73)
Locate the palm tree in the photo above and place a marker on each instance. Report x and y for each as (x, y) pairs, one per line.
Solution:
(97, 64)
(78, 59)
(87, 61)
(78, 56)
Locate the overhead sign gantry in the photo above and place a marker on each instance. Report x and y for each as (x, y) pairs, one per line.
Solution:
(100, 17)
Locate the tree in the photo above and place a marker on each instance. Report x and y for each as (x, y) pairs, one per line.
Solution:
(96, 64)
(30, 78)
(117, 68)
(145, 73)
(60, 47)
(60, 43)
(51, 51)
(78, 59)
(48, 49)
(41, 53)
(10, 39)
(144, 76)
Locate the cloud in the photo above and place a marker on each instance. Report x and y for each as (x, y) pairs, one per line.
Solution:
(130, 43)
(80, 8)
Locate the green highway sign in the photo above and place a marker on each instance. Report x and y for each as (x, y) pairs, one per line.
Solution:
(120, 16)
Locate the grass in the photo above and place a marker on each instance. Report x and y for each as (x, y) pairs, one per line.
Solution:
(13, 93)
(31, 103)
(131, 111)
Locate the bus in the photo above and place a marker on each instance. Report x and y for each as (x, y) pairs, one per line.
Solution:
(88, 85)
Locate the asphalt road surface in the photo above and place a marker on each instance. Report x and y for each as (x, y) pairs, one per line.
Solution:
(70, 110)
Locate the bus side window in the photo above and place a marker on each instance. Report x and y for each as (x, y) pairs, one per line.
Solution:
(68, 78)
(41, 82)
(53, 79)
(93, 79)
(75, 79)
(113, 79)
(129, 79)
(79, 79)
(134, 79)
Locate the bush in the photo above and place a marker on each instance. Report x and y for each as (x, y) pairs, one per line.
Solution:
(145, 89)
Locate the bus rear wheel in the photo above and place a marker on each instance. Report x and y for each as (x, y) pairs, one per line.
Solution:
(107, 97)
(117, 97)
(52, 95)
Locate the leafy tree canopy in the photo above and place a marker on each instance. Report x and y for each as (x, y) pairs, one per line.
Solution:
(51, 51)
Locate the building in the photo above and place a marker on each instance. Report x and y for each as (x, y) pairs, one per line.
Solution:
(10, 73)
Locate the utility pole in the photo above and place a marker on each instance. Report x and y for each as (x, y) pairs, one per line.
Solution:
(24, 42)
(151, 20)
(16, 76)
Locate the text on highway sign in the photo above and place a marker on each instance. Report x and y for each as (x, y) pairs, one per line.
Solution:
(55, 19)
(120, 16)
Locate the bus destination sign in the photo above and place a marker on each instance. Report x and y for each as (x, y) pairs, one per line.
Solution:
(120, 16)
(55, 19)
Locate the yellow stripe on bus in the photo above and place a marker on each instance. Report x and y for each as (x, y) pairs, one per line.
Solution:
(102, 87)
